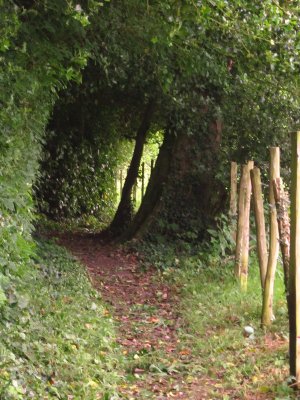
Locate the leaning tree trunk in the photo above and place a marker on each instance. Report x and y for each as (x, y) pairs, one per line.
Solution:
(154, 189)
(124, 211)
(181, 198)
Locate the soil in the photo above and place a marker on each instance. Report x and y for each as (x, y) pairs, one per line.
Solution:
(149, 325)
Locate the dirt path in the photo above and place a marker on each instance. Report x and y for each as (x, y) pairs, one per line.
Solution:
(149, 325)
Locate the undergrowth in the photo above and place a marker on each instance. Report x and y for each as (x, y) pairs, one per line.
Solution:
(57, 338)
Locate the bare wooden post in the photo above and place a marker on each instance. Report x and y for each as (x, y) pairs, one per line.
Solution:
(283, 219)
(261, 240)
(121, 182)
(151, 166)
(143, 179)
(294, 282)
(267, 311)
(240, 221)
(242, 242)
(134, 194)
(246, 234)
(116, 181)
(233, 190)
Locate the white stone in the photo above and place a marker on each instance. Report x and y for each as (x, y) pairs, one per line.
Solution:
(248, 331)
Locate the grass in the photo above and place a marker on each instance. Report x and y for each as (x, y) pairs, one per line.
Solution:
(216, 312)
(58, 341)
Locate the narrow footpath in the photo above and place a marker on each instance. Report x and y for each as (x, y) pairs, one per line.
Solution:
(149, 325)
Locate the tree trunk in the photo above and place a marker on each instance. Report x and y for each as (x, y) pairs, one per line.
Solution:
(124, 211)
(154, 189)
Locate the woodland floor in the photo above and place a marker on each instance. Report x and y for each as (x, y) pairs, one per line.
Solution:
(147, 312)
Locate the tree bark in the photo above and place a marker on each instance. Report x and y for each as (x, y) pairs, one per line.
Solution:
(124, 211)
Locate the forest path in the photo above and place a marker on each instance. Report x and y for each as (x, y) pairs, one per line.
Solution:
(149, 323)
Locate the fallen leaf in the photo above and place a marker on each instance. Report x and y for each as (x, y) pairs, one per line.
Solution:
(185, 352)
(153, 320)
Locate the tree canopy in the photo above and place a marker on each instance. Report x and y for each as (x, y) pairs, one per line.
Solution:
(213, 69)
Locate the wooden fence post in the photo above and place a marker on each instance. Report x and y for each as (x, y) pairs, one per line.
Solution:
(246, 234)
(134, 194)
(294, 282)
(143, 179)
(242, 242)
(283, 219)
(151, 166)
(121, 182)
(240, 221)
(233, 190)
(116, 181)
(261, 240)
(267, 311)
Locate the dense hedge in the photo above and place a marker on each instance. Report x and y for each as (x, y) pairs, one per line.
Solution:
(41, 48)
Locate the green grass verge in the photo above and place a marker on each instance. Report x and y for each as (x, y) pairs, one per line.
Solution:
(217, 312)
(57, 339)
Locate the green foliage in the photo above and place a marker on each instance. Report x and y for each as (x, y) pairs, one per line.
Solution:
(57, 338)
(34, 63)
(77, 182)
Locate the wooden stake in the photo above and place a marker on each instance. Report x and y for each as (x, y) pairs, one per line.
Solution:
(143, 179)
(240, 221)
(233, 190)
(246, 234)
(294, 282)
(242, 241)
(267, 311)
(283, 219)
(121, 182)
(134, 194)
(261, 240)
(151, 166)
